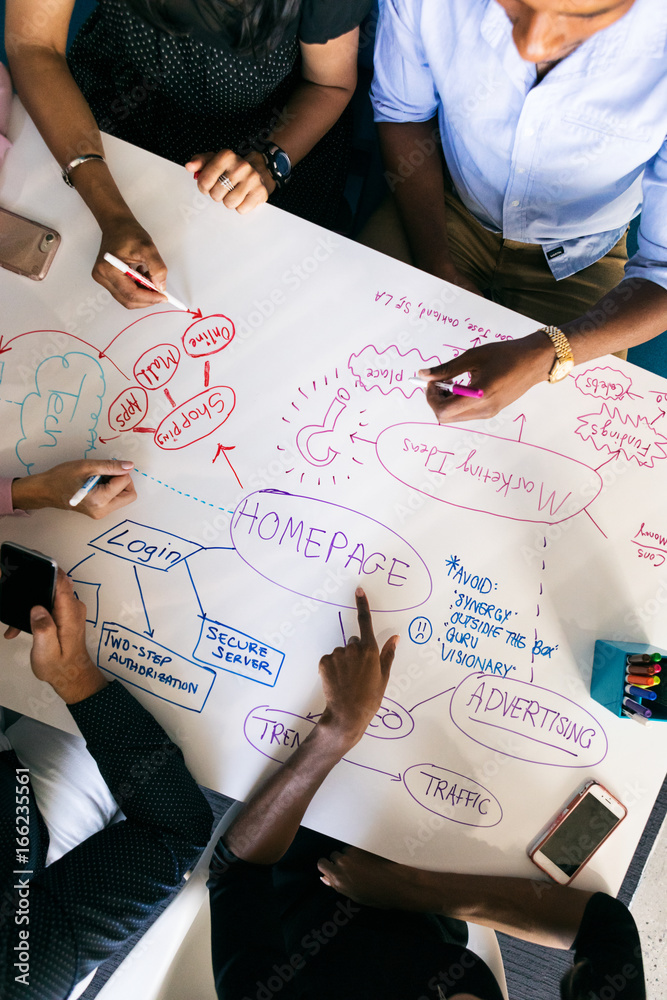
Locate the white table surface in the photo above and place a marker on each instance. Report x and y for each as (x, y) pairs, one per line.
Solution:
(304, 303)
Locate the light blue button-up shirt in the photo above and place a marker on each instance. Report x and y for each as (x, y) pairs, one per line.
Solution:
(566, 163)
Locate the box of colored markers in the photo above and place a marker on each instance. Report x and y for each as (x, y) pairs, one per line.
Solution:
(628, 679)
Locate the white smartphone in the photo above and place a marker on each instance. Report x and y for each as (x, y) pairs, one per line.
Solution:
(580, 828)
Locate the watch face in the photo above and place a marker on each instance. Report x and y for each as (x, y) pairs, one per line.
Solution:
(561, 369)
(282, 163)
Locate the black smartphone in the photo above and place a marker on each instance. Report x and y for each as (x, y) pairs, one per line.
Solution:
(28, 578)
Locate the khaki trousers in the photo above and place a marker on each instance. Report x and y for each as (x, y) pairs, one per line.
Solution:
(514, 274)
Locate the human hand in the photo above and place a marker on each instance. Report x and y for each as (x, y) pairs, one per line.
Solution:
(504, 371)
(354, 678)
(126, 239)
(251, 179)
(374, 881)
(57, 486)
(59, 655)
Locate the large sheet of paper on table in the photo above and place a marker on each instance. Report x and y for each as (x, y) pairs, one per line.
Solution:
(282, 459)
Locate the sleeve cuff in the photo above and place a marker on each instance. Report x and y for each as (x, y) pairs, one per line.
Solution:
(114, 717)
(650, 270)
(6, 490)
(386, 113)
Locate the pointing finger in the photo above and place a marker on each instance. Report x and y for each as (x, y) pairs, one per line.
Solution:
(364, 618)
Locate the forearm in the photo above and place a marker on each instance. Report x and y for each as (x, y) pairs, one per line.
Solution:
(66, 123)
(411, 152)
(268, 823)
(143, 768)
(632, 313)
(308, 115)
(536, 911)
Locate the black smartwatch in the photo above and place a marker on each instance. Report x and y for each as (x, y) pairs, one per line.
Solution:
(277, 162)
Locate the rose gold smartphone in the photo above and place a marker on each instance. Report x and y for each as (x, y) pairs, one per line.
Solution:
(26, 247)
(579, 829)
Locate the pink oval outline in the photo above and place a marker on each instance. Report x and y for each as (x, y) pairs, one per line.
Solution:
(483, 510)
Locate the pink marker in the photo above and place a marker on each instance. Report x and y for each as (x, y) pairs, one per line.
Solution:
(452, 386)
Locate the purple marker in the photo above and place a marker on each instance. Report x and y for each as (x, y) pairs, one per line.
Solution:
(633, 706)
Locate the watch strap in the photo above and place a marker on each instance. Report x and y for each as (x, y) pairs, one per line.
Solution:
(562, 348)
(270, 151)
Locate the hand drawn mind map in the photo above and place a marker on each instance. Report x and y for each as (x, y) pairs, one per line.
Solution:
(456, 532)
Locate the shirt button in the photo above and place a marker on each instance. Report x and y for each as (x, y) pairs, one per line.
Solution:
(515, 204)
(521, 170)
(529, 132)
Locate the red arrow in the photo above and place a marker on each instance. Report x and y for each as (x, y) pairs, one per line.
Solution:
(3, 349)
(164, 312)
(222, 450)
(475, 342)
(522, 418)
(196, 313)
(104, 440)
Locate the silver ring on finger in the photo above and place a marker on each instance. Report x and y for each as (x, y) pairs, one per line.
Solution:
(225, 181)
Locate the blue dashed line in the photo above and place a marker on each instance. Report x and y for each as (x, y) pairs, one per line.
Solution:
(225, 510)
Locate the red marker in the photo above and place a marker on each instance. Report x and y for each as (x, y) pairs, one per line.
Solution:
(141, 279)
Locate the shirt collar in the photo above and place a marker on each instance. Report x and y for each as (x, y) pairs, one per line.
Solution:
(640, 34)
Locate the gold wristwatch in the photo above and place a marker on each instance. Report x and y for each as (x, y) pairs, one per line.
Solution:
(564, 362)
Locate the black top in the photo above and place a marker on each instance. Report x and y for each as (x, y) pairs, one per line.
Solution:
(316, 22)
(272, 924)
(608, 942)
(280, 922)
(177, 88)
